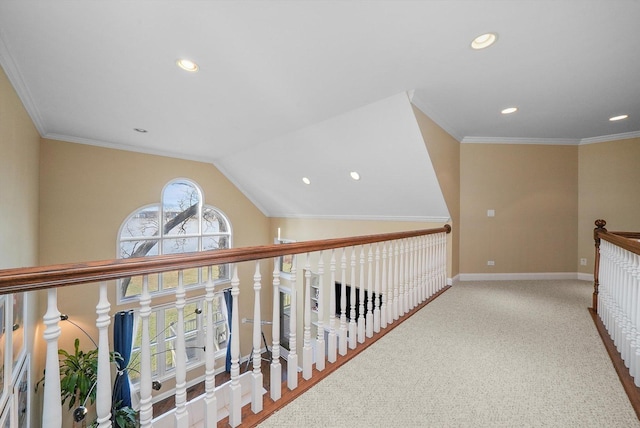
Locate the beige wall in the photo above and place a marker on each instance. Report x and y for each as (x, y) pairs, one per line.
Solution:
(444, 151)
(534, 192)
(19, 147)
(86, 192)
(609, 177)
(19, 152)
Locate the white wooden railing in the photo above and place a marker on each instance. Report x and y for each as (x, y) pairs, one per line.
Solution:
(617, 292)
(402, 270)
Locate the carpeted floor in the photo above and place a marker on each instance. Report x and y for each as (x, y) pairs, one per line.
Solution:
(484, 354)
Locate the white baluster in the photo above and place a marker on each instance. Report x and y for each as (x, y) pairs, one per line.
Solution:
(421, 294)
(352, 301)
(211, 404)
(401, 281)
(256, 376)
(146, 409)
(320, 352)
(443, 260)
(276, 367)
(332, 339)
(103, 387)
(292, 358)
(181, 415)
(307, 350)
(431, 257)
(407, 277)
(421, 262)
(411, 279)
(384, 292)
(369, 323)
(342, 339)
(377, 311)
(361, 298)
(51, 408)
(396, 282)
(235, 390)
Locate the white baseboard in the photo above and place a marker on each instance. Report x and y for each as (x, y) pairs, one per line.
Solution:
(454, 280)
(585, 277)
(523, 276)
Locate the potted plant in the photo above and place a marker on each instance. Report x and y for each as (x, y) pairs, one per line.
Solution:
(78, 377)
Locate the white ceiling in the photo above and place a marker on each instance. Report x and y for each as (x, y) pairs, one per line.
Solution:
(90, 72)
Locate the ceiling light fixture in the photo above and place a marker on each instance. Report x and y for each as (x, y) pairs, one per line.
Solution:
(509, 110)
(484, 41)
(616, 118)
(140, 130)
(305, 180)
(187, 65)
(355, 175)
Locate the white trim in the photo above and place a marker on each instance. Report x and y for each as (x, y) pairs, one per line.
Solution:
(454, 280)
(242, 190)
(22, 90)
(518, 276)
(551, 141)
(424, 108)
(612, 137)
(126, 147)
(428, 219)
(585, 277)
(518, 140)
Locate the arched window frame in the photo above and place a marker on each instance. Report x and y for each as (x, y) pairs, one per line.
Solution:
(203, 238)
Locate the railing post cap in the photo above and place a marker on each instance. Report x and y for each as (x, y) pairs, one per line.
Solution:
(448, 227)
(600, 223)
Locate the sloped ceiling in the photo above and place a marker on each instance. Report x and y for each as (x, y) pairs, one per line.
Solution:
(380, 141)
(91, 71)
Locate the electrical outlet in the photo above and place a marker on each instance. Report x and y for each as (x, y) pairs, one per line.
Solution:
(491, 263)
(583, 262)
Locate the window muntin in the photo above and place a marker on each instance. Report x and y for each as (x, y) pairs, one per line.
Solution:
(162, 331)
(179, 223)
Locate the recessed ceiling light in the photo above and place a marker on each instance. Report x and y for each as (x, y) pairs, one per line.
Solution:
(484, 40)
(621, 117)
(355, 175)
(305, 180)
(140, 130)
(187, 65)
(509, 110)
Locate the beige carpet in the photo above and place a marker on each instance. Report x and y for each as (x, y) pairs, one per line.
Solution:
(484, 354)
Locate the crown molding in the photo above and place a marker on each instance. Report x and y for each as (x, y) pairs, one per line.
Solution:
(427, 219)
(612, 137)
(424, 108)
(519, 140)
(124, 147)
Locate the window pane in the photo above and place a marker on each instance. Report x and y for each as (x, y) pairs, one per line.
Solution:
(179, 245)
(138, 248)
(215, 243)
(180, 202)
(144, 223)
(170, 319)
(190, 318)
(213, 221)
(133, 286)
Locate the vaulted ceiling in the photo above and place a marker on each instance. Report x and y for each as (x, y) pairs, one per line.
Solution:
(92, 72)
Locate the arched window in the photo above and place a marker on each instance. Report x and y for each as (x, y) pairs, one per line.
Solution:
(180, 223)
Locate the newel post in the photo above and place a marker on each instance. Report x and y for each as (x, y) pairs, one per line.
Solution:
(600, 224)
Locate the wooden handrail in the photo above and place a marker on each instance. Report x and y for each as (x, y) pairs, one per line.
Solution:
(42, 277)
(625, 240)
